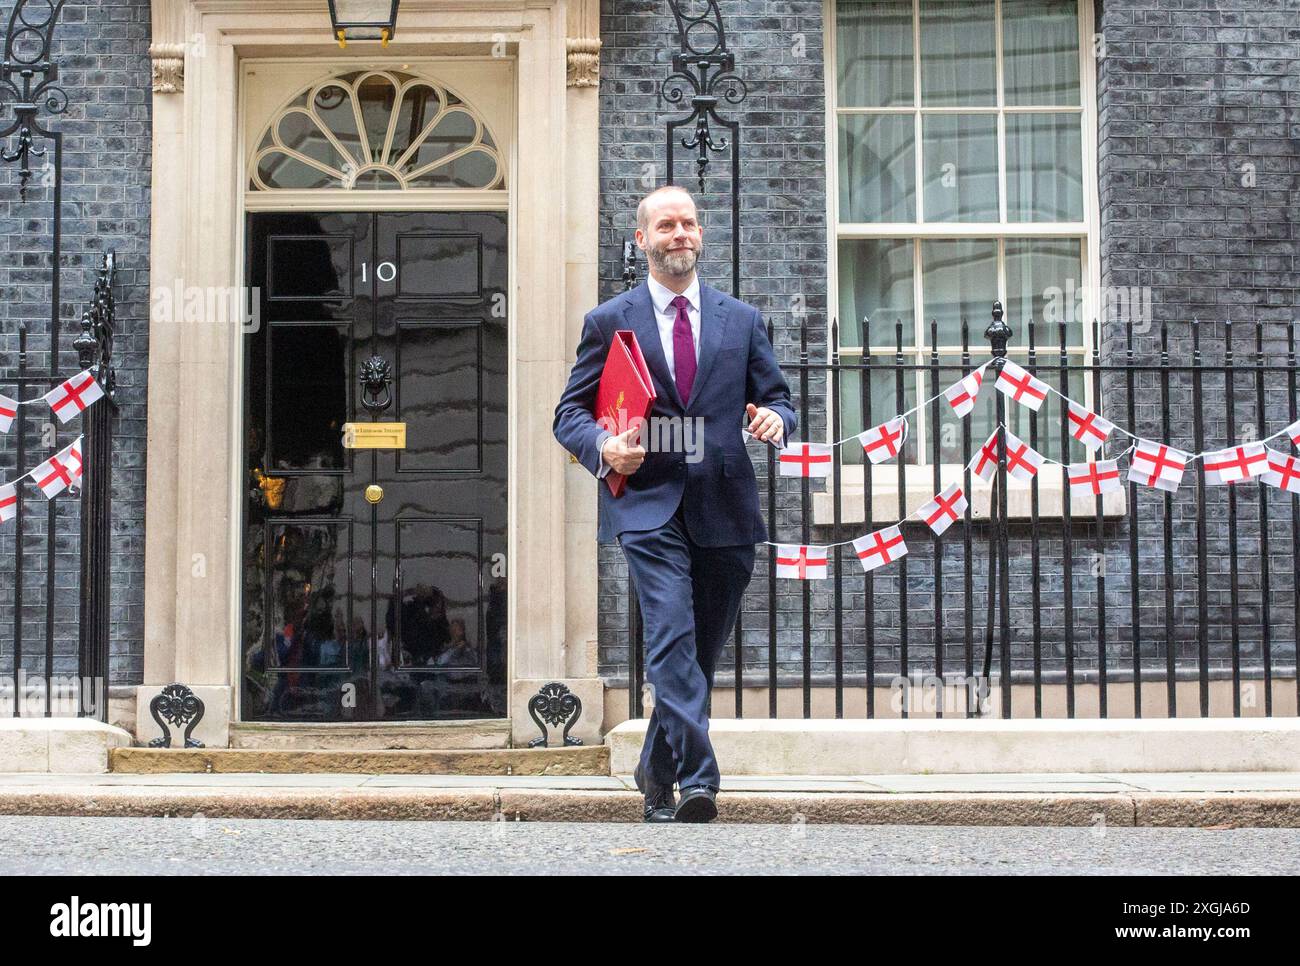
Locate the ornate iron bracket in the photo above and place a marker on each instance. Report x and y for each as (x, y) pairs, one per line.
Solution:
(704, 69)
(27, 55)
(554, 703)
(179, 706)
(376, 378)
(707, 66)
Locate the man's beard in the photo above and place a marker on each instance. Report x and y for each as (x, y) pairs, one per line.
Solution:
(674, 264)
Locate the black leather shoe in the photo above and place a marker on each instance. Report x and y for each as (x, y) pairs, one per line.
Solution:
(697, 804)
(659, 813)
(660, 803)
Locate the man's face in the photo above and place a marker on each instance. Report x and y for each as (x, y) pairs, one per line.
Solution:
(672, 240)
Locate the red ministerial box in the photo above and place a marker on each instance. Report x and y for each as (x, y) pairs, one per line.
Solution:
(626, 393)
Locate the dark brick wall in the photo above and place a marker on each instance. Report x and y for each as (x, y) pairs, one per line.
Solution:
(1198, 156)
(102, 52)
(1188, 94)
(1198, 171)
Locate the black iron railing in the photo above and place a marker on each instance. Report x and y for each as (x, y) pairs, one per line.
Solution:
(1098, 607)
(55, 568)
(95, 351)
(54, 555)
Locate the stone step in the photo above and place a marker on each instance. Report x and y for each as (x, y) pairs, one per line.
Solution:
(59, 745)
(592, 760)
(372, 735)
(1258, 800)
(917, 746)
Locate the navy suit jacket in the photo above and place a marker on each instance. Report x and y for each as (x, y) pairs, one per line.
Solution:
(736, 366)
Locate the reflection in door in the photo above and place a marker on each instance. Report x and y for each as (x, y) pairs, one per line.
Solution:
(392, 606)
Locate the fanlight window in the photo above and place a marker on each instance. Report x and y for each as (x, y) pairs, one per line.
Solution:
(377, 130)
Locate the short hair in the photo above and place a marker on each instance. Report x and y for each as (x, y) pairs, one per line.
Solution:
(642, 218)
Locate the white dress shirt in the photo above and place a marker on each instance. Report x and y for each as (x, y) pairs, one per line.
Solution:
(666, 316)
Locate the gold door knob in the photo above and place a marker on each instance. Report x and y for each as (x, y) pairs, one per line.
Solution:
(374, 493)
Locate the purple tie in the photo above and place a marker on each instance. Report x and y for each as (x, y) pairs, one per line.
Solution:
(683, 349)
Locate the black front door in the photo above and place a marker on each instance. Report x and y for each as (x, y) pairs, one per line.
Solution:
(375, 579)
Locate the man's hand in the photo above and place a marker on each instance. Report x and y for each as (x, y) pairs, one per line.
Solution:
(623, 453)
(765, 424)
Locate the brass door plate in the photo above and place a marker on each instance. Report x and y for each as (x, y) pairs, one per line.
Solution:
(374, 435)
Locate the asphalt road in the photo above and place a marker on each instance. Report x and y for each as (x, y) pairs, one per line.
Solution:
(208, 846)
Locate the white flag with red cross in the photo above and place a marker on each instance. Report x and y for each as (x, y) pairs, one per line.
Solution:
(1283, 472)
(1093, 478)
(1021, 386)
(1293, 433)
(8, 411)
(800, 561)
(74, 395)
(880, 548)
(72, 456)
(806, 459)
(985, 462)
(1157, 465)
(885, 441)
(945, 509)
(1236, 464)
(59, 471)
(1087, 427)
(1023, 463)
(8, 501)
(961, 394)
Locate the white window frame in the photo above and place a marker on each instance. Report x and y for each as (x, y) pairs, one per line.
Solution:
(920, 475)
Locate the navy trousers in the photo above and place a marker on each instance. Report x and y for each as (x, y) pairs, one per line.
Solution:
(682, 643)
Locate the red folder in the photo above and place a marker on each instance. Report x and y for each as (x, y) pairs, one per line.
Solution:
(626, 393)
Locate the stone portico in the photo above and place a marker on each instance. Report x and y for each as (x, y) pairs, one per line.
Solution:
(531, 64)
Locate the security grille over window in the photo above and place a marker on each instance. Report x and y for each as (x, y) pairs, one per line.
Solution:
(370, 130)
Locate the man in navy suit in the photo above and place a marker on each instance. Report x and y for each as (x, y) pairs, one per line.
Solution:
(688, 518)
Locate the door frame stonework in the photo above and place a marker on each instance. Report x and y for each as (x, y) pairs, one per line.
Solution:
(192, 537)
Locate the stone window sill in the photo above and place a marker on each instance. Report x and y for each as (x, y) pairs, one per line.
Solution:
(920, 489)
